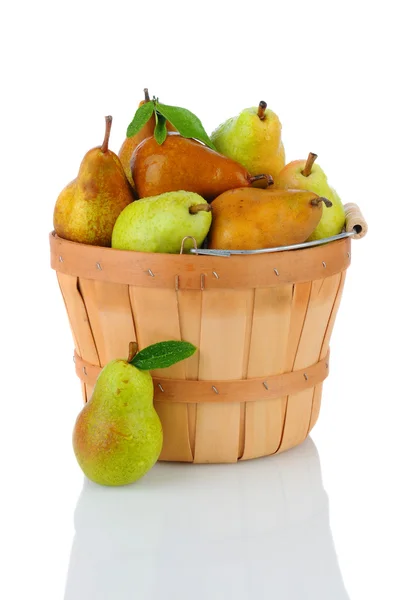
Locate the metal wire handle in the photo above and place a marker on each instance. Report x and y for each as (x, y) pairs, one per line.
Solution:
(211, 252)
(189, 237)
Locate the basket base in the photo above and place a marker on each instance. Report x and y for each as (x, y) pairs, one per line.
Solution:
(280, 436)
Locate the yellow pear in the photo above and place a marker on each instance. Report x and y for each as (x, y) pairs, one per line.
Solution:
(251, 219)
(87, 208)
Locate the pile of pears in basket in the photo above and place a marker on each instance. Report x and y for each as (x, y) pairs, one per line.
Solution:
(231, 190)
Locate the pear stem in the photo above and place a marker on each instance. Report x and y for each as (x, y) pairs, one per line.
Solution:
(269, 179)
(195, 208)
(108, 121)
(261, 110)
(308, 165)
(317, 201)
(133, 349)
(146, 95)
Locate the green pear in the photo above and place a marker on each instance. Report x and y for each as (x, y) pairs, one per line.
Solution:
(305, 175)
(159, 223)
(253, 139)
(118, 435)
(87, 208)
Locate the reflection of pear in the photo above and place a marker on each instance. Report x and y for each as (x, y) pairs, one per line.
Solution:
(118, 436)
(87, 208)
(305, 175)
(253, 139)
(258, 529)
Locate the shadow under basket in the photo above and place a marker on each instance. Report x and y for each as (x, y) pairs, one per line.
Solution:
(261, 322)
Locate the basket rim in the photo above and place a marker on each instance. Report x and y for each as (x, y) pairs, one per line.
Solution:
(207, 253)
(198, 272)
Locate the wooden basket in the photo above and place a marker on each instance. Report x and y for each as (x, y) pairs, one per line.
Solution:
(262, 324)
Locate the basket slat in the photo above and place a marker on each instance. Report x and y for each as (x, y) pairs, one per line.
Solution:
(316, 404)
(156, 319)
(245, 367)
(300, 300)
(109, 312)
(79, 323)
(226, 317)
(268, 349)
(299, 406)
(190, 312)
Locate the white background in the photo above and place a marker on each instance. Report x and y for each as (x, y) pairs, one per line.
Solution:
(329, 71)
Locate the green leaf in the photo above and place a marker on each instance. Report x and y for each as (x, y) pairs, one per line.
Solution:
(185, 122)
(160, 132)
(162, 355)
(142, 116)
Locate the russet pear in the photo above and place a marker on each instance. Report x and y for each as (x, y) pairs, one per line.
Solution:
(184, 164)
(130, 143)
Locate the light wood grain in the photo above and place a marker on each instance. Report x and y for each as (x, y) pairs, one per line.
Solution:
(245, 369)
(300, 300)
(268, 351)
(355, 220)
(298, 311)
(156, 319)
(111, 320)
(316, 404)
(299, 406)
(190, 314)
(79, 324)
(226, 317)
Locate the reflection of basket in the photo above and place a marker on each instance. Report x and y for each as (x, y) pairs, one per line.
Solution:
(262, 324)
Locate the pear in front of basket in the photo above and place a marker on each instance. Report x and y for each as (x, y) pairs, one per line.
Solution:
(118, 436)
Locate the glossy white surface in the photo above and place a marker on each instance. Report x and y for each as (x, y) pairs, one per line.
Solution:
(259, 529)
(316, 523)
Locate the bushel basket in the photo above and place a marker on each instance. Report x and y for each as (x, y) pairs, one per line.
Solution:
(262, 324)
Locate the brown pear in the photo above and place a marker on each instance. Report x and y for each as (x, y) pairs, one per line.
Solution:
(251, 218)
(184, 164)
(87, 208)
(130, 143)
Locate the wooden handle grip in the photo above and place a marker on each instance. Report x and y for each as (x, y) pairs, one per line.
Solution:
(354, 220)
